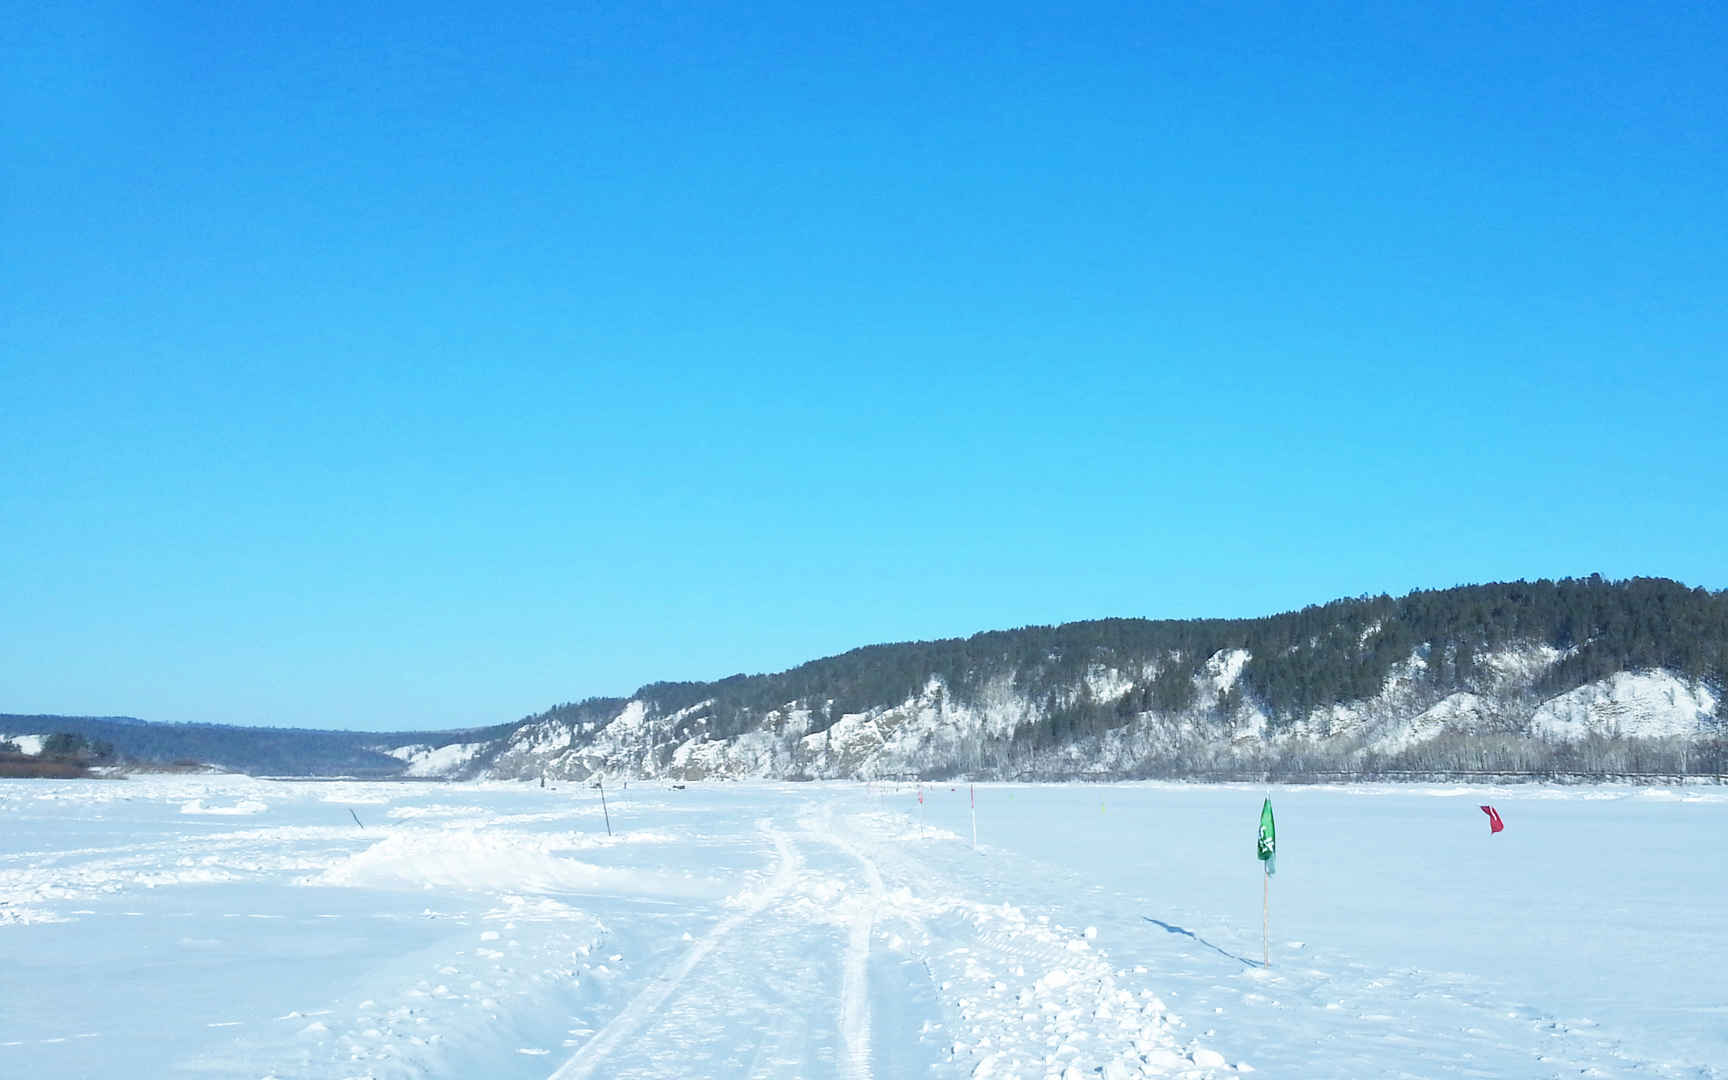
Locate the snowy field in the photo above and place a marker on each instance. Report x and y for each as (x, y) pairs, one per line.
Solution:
(227, 927)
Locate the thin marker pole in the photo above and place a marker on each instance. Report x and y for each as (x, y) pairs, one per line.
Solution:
(602, 786)
(1266, 902)
(356, 818)
(1266, 921)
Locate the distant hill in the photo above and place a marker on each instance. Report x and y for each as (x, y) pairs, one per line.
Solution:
(1578, 675)
(255, 750)
(1573, 675)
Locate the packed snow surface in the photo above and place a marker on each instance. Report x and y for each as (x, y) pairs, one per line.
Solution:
(218, 926)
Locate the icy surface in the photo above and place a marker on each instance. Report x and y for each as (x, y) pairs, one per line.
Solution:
(299, 930)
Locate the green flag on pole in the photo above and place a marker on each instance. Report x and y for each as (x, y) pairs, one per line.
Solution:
(1267, 846)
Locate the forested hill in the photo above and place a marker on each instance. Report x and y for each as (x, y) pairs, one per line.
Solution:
(1365, 679)
(1046, 699)
(260, 751)
(1297, 661)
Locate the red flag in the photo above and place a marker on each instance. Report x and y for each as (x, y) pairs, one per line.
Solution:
(1494, 822)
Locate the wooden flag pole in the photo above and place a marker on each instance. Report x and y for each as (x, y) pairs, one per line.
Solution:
(1266, 920)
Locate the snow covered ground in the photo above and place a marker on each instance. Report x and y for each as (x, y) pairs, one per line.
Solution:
(225, 927)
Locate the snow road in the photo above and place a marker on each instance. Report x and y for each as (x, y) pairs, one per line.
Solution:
(217, 926)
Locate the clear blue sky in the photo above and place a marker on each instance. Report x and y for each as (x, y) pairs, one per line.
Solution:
(422, 365)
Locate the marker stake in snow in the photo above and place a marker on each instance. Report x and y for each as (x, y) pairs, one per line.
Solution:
(1266, 847)
(601, 784)
(356, 818)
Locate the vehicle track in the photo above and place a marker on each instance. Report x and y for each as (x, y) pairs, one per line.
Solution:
(654, 995)
(854, 984)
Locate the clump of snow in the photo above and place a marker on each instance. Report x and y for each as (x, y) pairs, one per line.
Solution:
(355, 795)
(435, 810)
(241, 808)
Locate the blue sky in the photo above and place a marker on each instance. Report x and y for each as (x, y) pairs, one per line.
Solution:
(392, 365)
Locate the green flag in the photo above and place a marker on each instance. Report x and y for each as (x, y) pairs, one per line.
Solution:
(1267, 847)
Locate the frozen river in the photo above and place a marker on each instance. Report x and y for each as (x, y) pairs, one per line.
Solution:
(222, 926)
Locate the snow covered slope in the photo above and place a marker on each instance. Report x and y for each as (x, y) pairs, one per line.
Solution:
(987, 732)
(1641, 704)
(26, 744)
(428, 761)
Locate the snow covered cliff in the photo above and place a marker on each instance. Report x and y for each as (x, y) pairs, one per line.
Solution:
(1002, 728)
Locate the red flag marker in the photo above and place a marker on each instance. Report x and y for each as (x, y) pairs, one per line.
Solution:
(1494, 822)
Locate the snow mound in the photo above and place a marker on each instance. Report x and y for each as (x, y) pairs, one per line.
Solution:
(495, 862)
(241, 808)
(435, 810)
(1635, 704)
(24, 916)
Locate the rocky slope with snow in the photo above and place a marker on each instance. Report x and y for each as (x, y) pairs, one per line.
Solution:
(995, 732)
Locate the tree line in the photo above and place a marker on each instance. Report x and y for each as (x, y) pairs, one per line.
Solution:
(1321, 655)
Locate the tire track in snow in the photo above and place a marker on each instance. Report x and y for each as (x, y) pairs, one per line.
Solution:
(1022, 996)
(855, 976)
(644, 1004)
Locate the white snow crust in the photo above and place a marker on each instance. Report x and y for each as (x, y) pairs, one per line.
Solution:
(853, 931)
